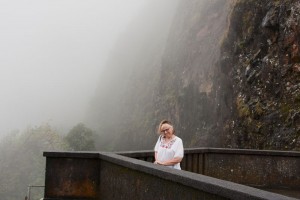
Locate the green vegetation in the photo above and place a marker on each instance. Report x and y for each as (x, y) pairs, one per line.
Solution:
(258, 109)
(22, 163)
(80, 138)
(242, 107)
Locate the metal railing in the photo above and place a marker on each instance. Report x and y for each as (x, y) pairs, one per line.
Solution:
(28, 197)
(103, 175)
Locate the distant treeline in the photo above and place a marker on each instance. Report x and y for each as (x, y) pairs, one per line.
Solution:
(22, 163)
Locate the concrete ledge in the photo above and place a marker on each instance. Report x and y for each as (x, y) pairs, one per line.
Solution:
(271, 170)
(207, 184)
(71, 154)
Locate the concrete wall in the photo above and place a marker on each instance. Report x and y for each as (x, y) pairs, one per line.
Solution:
(100, 175)
(259, 168)
(262, 171)
(72, 175)
(117, 182)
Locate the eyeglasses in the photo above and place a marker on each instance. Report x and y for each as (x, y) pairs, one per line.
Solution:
(167, 129)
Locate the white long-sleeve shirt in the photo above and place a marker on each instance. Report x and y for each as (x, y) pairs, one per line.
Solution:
(170, 150)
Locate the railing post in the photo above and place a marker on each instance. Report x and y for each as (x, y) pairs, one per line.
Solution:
(71, 176)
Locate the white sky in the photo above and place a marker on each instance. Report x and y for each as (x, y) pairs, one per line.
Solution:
(51, 55)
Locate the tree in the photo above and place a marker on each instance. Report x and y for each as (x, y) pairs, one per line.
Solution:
(22, 161)
(80, 138)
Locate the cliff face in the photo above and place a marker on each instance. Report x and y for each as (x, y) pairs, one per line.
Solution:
(190, 70)
(122, 110)
(261, 55)
(225, 72)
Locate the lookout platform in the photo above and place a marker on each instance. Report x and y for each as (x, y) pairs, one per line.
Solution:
(207, 173)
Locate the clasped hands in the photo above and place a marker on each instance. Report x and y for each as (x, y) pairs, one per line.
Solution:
(158, 162)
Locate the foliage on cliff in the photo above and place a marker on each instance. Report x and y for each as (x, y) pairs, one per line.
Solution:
(261, 55)
(226, 73)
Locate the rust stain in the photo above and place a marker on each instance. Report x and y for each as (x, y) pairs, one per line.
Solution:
(83, 188)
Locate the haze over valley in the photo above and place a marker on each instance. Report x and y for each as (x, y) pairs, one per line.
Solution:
(51, 57)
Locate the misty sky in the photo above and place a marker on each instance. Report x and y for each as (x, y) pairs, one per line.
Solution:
(51, 55)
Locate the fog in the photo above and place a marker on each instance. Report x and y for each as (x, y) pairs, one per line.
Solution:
(51, 55)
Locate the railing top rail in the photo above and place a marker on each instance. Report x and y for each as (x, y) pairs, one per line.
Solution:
(71, 154)
(204, 150)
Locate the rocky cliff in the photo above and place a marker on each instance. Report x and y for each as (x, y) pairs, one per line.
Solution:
(261, 57)
(225, 72)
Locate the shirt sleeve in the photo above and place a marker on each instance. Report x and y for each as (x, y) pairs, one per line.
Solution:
(157, 144)
(179, 152)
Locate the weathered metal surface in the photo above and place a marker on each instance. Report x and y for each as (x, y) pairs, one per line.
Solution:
(266, 169)
(135, 179)
(195, 164)
(255, 170)
(75, 178)
(118, 182)
(269, 169)
(99, 175)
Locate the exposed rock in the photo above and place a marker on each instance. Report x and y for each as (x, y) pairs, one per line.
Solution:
(296, 67)
(227, 76)
(271, 19)
(270, 118)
